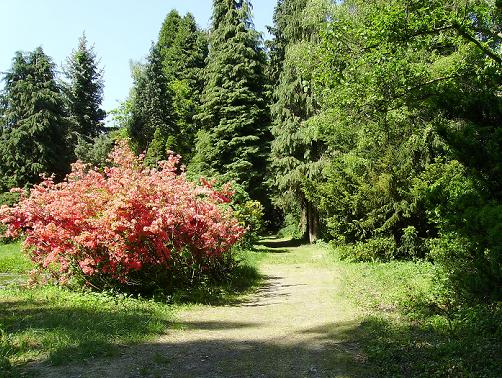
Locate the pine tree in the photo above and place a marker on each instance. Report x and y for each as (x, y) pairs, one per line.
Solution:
(151, 104)
(293, 152)
(184, 49)
(34, 127)
(84, 92)
(234, 115)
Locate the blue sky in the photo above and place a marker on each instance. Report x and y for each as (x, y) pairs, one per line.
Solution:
(121, 30)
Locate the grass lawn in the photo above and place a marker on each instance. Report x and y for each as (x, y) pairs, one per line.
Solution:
(60, 326)
(12, 260)
(404, 334)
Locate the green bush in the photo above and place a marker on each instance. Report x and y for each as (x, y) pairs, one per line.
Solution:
(250, 214)
(376, 249)
(411, 246)
(468, 246)
(291, 228)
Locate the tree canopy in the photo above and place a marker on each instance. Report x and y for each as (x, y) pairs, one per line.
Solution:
(234, 116)
(34, 128)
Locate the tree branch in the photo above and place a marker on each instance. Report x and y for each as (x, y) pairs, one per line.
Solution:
(472, 39)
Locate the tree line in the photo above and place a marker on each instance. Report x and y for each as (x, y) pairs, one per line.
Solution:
(374, 125)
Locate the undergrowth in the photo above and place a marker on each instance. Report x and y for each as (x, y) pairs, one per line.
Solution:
(408, 329)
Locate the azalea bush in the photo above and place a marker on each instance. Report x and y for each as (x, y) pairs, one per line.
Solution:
(126, 224)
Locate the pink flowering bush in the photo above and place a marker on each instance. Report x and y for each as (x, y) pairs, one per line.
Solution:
(127, 224)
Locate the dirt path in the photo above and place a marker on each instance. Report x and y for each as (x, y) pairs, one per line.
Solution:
(295, 325)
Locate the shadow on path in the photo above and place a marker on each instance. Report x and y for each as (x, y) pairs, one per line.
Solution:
(326, 352)
(280, 243)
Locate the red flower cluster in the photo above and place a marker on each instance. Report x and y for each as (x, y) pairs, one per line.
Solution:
(120, 220)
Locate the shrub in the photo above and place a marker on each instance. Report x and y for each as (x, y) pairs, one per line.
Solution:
(250, 214)
(128, 224)
(292, 227)
(411, 246)
(468, 246)
(9, 199)
(376, 249)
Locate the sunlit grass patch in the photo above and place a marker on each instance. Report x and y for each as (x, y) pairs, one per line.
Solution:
(62, 326)
(404, 332)
(13, 260)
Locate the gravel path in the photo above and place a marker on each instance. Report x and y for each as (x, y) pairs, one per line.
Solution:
(295, 325)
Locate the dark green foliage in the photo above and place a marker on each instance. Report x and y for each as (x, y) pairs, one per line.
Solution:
(34, 127)
(469, 223)
(234, 115)
(184, 49)
(376, 249)
(84, 92)
(411, 115)
(151, 106)
(97, 150)
(295, 150)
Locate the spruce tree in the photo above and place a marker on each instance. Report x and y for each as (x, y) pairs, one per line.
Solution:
(34, 126)
(294, 152)
(151, 107)
(234, 115)
(84, 92)
(184, 49)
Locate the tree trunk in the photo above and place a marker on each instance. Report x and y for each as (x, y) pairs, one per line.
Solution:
(304, 222)
(313, 223)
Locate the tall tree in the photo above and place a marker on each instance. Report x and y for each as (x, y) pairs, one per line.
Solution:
(410, 95)
(34, 127)
(294, 150)
(84, 92)
(184, 49)
(234, 114)
(151, 105)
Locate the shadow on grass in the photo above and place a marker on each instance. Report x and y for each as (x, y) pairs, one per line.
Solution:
(418, 350)
(375, 346)
(60, 326)
(64, 332)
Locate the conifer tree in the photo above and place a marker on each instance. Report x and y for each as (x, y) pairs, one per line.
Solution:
(234, 115)
(293, 152)
(151, 108)
(34, 126)
(184, 49)
(84, 92)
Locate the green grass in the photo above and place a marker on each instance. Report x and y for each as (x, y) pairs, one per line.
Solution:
(404, 332)
(61, 326)
(391, 287)
(12, 260)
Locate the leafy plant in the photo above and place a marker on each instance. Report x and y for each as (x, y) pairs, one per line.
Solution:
(127, 225)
